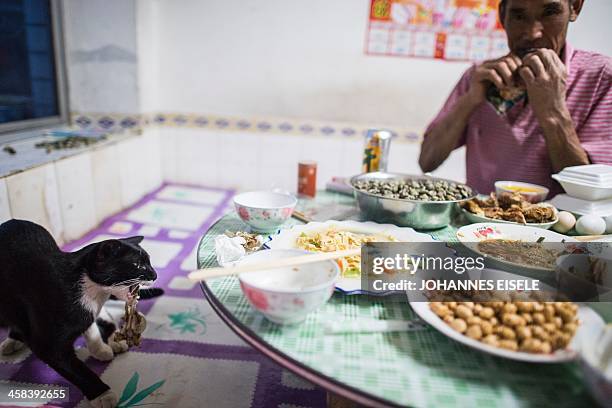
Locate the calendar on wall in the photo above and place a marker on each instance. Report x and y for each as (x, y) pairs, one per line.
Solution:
(459, 30)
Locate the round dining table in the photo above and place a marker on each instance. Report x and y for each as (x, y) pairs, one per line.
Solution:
(417, 366)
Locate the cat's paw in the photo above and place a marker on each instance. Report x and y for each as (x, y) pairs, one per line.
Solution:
(102, 352)
(117, 346)
(11, 346)
(106, 400)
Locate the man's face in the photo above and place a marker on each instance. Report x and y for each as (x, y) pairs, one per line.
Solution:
(533, 24)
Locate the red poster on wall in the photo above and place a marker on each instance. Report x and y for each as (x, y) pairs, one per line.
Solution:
(460, 30)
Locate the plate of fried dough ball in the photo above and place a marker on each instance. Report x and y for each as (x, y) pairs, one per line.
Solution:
(523, 326)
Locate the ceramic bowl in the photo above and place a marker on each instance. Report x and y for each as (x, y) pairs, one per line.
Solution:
(287, 295)
(576, 280)
(538, 195)
(264, 211)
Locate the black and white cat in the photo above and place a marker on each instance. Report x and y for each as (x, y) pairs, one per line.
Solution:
(48, 298)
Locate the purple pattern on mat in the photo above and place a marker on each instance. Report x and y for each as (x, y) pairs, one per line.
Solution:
(269, 390)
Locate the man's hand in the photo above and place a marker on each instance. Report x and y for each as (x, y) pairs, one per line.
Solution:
(499, 72)
(545, 78)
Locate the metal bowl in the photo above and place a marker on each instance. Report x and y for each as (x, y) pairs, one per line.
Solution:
(418, 214)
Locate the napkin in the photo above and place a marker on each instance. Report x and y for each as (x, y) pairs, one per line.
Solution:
(229, 250)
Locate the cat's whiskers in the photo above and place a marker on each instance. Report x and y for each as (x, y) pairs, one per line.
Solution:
(127, 282)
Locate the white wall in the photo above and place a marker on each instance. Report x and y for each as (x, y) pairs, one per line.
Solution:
(298, 59)
(246, 161)
(592, 31)
(101, 55)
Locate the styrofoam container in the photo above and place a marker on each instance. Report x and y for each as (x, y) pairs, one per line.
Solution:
(600, 208)
(594, 173)
(585, 190)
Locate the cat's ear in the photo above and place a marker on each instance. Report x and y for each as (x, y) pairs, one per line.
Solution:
(107, 249)
(133, 240)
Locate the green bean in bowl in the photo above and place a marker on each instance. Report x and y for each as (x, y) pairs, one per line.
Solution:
(416, 189)
(406, 200)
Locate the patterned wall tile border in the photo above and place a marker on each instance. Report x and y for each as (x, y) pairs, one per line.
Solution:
(280, 126)
(111, 122)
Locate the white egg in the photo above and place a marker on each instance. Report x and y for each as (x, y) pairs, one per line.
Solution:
(590, 225)
(566, 222)
(609, 224)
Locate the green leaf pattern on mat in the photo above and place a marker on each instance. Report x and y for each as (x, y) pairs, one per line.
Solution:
(187, 322)
(130, 389)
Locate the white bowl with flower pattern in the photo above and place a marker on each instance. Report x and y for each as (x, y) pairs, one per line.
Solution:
(264, 211)
(287, 295)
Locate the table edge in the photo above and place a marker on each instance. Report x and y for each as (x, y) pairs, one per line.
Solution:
(290, 363)
(282, 359)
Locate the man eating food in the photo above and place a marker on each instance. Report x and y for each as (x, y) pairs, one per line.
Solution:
(533, 112)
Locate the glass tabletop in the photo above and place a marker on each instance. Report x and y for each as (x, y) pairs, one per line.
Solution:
(419, 367)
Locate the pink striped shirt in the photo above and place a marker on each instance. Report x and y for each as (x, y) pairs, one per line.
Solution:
(512, 147)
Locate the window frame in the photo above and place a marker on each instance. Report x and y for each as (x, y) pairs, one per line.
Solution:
(10, 129)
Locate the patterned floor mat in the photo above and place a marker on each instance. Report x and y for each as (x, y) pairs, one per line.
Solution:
(188, 357)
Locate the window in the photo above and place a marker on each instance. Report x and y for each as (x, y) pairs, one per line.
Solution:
(32, 79)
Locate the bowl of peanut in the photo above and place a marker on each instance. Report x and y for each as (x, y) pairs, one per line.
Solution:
(516, 325)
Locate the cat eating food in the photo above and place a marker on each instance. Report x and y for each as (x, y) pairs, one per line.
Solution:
(48, 298)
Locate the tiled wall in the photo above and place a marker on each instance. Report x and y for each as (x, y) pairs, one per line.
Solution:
(255, 153)
(247, 161)
(72, 195)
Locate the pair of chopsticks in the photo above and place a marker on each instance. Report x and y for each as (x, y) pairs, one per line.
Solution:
(208, 273)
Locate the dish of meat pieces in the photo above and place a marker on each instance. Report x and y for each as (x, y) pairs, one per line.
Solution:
(510, 207)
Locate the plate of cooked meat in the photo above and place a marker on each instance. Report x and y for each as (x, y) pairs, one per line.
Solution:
(510, 208)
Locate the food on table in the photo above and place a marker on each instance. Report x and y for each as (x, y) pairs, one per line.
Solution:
(519, 252)
(528, 326)
(522, 189)
(566, 222)
(511, 207)
(590, 225)
(332, 240)
(252, 242)
(417, 190)
(531, 192)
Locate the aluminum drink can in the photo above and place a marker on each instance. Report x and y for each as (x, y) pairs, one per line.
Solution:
(376, 150)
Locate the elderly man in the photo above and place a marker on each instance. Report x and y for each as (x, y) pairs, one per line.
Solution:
(565, 118)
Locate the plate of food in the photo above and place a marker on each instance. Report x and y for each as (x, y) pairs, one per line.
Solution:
(529, 250)
(510, 208)
(521, 328)
(331, 236)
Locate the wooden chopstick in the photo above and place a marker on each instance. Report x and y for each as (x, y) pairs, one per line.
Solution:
(208, 273)
(298, 215)
(587, 238)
